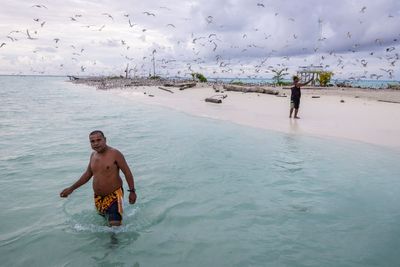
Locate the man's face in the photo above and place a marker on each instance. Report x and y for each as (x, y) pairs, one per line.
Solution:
(98, 142)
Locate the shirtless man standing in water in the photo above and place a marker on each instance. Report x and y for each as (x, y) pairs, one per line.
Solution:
(104, 165)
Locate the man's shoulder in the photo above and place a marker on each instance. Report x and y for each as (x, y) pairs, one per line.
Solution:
(114, 151)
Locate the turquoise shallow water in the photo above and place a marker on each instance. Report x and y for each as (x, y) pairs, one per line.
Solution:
(209, 192)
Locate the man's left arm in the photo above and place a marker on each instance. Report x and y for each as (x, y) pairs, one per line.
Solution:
(123, 165)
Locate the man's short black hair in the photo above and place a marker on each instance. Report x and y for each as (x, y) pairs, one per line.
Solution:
(97, 132)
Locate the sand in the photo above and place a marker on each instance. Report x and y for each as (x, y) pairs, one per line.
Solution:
(353, 114)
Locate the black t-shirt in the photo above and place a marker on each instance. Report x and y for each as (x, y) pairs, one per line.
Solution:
(296, 93)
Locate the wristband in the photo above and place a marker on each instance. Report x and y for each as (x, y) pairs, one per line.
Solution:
(132, 190)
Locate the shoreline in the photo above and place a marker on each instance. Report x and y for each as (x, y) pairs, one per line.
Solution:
(348, 113)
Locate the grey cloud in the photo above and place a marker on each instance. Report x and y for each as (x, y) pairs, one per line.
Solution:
(242, 32)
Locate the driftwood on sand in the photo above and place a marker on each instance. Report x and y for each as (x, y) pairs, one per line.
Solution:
(388, 101)
(165, 89)
(181, 86)
(213, 100)
(216, 98)
(247, 89)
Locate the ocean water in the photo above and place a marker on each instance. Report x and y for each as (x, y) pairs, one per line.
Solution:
(210, 193)
(362, 83)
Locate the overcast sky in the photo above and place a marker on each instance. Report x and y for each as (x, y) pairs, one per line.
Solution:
(220, 38)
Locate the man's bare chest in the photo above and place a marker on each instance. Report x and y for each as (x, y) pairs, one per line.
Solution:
(103, 165)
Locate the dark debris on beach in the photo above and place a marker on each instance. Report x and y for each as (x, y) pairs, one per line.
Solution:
(105, 83)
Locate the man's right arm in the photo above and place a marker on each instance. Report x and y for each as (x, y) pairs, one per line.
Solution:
(302, 84)
(81, 181)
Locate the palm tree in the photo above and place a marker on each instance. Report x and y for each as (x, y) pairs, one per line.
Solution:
(279, 75)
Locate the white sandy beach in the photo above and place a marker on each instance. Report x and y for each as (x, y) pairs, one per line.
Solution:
(360, 118)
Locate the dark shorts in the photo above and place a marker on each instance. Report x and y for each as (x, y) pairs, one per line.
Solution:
(295, 103)
(112, 213)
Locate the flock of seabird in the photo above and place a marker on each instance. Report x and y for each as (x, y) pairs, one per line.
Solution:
(212, 42)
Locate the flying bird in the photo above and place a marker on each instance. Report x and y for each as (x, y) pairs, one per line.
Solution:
(108, 15)
(39, 6)
(13, 32)
(363, 9)
(11, 38)
(2, 44)
(260, 4)
(198, 38)
(171, 25)
(149, 14)
(388, 70)
(29, 36)
(164, 7)
(215, 46)
(131, 24)
(364, 63)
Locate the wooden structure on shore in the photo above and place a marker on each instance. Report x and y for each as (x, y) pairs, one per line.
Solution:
(305, 73)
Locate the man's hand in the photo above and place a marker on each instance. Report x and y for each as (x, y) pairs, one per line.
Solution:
(132, 197)
(66, 192)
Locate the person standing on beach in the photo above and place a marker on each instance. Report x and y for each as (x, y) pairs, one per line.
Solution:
(104, 165)
(295, 96)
